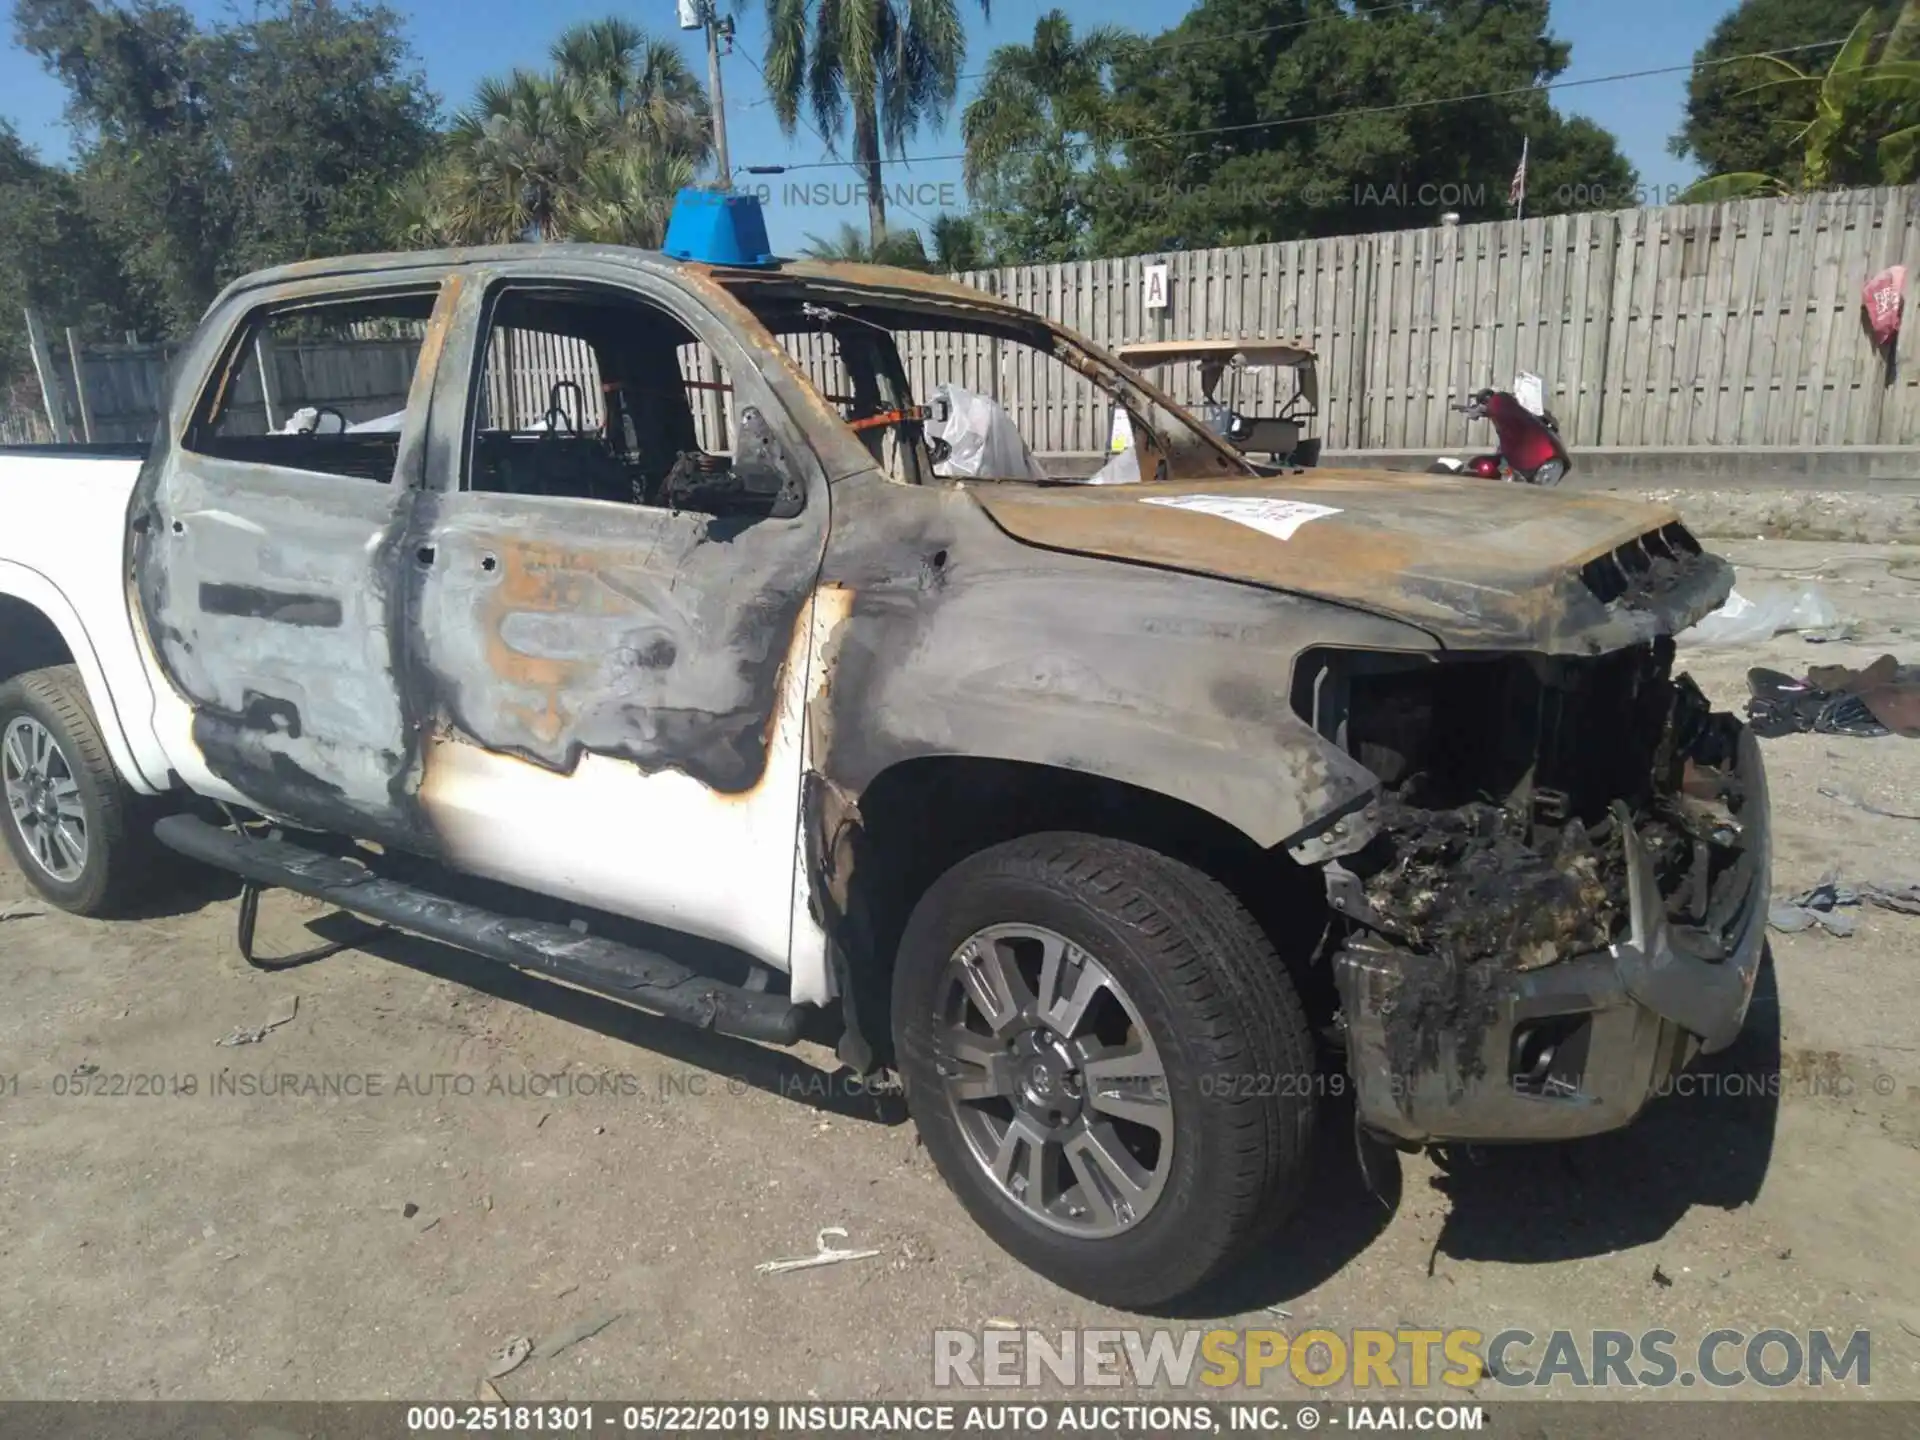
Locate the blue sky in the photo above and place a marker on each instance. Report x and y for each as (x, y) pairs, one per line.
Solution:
(457, 43)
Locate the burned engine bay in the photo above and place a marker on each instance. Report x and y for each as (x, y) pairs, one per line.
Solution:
(1507, 786)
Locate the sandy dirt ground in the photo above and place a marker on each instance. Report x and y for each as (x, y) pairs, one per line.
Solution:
(500, 1157)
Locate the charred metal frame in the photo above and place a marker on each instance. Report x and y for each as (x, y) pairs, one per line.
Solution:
(679, 716)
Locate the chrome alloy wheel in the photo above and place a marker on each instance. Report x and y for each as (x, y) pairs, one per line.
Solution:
(44, 799)
(1057, 1086)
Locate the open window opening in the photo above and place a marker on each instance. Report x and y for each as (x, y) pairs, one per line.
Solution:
(942, 392)
(1261, 396)
(596, 395)
(316, 387)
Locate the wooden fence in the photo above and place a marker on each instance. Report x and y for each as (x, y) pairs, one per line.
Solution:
(1684, 326)
(1688, 325)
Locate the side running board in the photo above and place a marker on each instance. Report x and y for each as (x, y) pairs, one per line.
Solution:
(622, 972)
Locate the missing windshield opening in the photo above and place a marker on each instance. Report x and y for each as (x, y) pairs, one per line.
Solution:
(951, 388)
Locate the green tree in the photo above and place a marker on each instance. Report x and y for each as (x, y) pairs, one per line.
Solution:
(1731, 125)
(1277, 119)
(1041, 134)
(1864, 128)
(952, 244)
(206, 152)
(895, 64)
(54, 259)
(957, 243)
(593, 149)
(904, 248)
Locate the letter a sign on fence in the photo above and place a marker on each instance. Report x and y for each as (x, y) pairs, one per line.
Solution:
(1153, 287)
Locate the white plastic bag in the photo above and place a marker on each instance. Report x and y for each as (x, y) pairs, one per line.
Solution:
(1761, 613)
(1122, 468)
(982, 440)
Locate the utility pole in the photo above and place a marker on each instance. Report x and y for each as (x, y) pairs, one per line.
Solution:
(705, 15)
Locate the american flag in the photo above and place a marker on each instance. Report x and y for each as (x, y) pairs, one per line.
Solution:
(1517, 192)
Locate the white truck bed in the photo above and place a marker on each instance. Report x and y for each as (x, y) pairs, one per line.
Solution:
(62, 549)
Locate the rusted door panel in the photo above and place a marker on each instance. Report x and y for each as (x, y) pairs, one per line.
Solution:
(619, 696)
(553, 627)
(616, 692)
(273, 606)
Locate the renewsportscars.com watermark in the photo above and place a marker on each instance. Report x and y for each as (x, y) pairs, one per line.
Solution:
(1390, 1359)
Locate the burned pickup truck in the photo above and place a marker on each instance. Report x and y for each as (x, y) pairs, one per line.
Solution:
(510, 596)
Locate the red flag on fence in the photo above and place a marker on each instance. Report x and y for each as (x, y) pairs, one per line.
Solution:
(1882, 296)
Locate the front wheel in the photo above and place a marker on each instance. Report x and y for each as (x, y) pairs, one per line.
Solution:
(69, 818)
(1107, 1061)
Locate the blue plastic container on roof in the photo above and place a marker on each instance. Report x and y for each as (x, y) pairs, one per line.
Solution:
(718, 227)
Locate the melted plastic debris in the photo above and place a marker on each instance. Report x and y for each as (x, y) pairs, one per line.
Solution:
(1468, 890)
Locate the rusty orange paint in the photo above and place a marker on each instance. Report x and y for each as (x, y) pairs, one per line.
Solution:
(1369, 551)
(542, 579)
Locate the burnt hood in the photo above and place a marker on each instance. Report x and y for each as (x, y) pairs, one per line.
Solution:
(1478, 564)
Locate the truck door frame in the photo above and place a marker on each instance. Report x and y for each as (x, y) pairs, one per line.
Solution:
(275, 664)
(614, 695)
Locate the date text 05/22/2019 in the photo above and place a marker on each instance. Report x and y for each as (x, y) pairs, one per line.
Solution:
(1054, 1418)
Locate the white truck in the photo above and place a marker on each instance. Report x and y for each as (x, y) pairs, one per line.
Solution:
(1123, 822)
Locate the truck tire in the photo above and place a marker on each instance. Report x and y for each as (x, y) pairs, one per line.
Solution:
(69, 819)
(1107, 1062)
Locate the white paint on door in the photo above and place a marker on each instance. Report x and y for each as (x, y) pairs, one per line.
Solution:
(657, 847)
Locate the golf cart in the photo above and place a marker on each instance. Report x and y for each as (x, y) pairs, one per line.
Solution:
(1275, 436)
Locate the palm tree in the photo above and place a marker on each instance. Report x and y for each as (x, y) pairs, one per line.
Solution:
(515, 156)
(894, 63)
(594, 149)
(904, 248)
(1043, 130)
(625, 196)
(1858, 99)
(1051, 95)
(957, 243)
(642, 81)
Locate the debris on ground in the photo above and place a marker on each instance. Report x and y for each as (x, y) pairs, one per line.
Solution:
(1791, 919)
(1882, 698)
(825, 1255)
(490, 1394)
(1820, 904)
(18, 911)
(1901, 895)
(253, 1035)
(409, 1210)
(1890, 690)
(1763, 611)
(568, 1336)
(1846, 798)
(509, 1357)
(1662, 1279)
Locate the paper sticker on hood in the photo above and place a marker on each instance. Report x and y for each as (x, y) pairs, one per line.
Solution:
(1278, 518)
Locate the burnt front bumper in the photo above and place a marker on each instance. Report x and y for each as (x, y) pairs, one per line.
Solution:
(1577, 1047)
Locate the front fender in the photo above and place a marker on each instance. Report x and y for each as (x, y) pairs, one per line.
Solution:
(1171, 683)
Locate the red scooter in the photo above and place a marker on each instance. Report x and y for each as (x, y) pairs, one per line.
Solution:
(1530, 449)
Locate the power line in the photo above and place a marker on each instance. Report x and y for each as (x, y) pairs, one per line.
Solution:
(852, 165)
(1400, 107)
